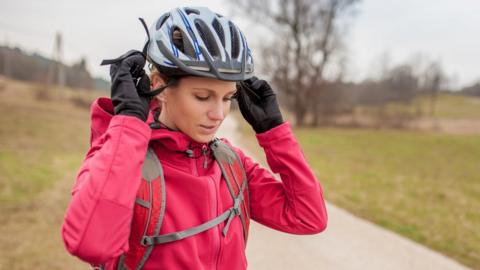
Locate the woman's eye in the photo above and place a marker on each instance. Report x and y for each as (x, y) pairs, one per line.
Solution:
(201, 98)
(228, 99)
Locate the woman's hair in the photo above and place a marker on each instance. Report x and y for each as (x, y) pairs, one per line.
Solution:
(154, 71)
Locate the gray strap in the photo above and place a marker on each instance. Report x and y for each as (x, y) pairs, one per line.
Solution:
(235, 212)
(142, 203)
(166, 238)
(224, 152)
(121, 263)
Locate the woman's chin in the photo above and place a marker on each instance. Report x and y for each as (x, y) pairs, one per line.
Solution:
(203, 138)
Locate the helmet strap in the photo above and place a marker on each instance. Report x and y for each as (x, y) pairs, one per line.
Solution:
(159, 89)
(145, 47)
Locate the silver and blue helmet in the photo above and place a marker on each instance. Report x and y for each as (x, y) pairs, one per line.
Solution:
(196, 41)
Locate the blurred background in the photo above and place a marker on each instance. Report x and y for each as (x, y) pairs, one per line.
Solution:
(384, 96)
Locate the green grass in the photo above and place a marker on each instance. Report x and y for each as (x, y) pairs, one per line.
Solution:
(424, 186)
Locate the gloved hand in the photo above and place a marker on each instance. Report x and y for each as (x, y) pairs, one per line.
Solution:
(258, 104)
(129, 81)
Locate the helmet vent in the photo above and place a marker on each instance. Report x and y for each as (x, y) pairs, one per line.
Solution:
(207, 37)
(219, 29)
(180, 40)
(191, 10)
(161, 21)
(235, 40)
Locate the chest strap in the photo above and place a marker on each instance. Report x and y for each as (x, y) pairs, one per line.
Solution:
(171, 237)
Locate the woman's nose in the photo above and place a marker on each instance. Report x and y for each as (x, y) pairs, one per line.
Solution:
(217, 112)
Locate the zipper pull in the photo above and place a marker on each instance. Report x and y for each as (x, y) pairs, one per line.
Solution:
(189, 153)
(204, 150)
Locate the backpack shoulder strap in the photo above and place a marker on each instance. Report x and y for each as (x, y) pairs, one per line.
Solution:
(236, 178)
(149, 211)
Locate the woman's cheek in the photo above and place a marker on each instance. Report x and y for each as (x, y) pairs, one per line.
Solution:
(227, 107)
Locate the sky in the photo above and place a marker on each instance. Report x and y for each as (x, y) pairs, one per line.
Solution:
(443, 30)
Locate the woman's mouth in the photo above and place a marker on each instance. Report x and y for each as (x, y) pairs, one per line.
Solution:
(208, 129)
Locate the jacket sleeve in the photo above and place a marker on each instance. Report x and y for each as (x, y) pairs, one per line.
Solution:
(293, 205)
(96, 226)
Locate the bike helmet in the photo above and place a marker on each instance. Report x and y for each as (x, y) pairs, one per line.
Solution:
(198, 42)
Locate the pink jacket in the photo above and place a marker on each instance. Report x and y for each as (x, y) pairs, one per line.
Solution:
(97, 222)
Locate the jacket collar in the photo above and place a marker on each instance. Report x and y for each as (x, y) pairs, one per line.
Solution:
(175, 140)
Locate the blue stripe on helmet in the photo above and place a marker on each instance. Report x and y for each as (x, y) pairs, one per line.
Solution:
(169, 63)
(187, 24)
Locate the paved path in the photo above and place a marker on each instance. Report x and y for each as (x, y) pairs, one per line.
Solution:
(348, 243)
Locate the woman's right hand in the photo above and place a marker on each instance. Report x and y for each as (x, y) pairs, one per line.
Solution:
(128, 79)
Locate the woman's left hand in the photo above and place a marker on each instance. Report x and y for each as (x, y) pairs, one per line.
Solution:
(258, 104)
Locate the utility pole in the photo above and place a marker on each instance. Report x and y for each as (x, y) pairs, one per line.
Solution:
(58, 57)
(56, 71)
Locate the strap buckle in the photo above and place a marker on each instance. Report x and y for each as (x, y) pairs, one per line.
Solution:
(146, 241)
(234, 211)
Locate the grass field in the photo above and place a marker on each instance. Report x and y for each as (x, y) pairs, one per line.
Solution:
(42, 143)
(455, 107)
(425, 186)
(447, 106)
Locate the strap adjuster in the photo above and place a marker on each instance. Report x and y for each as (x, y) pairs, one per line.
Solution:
(146, 241)
(236, 204)
(234, 211)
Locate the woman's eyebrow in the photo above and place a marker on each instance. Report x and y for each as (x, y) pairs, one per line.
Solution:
(212, 91)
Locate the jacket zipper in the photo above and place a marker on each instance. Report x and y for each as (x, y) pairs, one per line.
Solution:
(214, 190)
(214, 210)
(204, 150)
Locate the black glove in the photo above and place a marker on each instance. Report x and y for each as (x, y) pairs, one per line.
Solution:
(258, 104)
(129, 82)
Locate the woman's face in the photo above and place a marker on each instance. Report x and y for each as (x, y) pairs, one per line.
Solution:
(196, 106)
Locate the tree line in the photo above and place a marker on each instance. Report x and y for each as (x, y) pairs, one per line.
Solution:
(18, 64)
(306, 46)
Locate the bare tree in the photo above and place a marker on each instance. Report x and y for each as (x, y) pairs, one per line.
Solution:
(472, 90)
(403, 83)
(434, 79)
(305, 37)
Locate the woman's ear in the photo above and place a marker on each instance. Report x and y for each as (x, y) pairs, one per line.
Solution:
(161, 97)
(156, 80)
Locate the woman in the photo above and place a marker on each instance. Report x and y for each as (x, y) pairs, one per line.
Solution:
(197, 59)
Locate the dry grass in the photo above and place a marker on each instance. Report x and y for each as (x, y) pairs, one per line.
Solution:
(43, 138)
